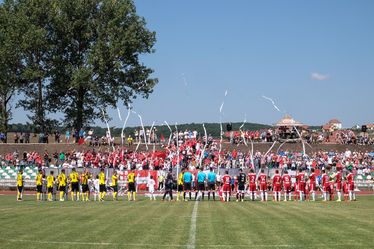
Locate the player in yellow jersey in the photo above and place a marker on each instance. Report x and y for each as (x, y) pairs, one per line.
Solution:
(180, 185)
(132, 190)
(62, 184)
(85, 177)
(102, 186)
(50, 183)
(114, 185)
(19, 185)
(74, 179)
(39, 185)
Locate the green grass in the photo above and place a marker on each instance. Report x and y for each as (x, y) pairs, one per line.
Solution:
(145, 224)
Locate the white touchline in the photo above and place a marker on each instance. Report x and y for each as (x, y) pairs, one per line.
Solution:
(191, 241)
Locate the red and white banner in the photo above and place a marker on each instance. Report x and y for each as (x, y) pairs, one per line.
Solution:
(141, 177)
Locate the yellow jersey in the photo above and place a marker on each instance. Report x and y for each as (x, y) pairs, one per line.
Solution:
(85, 179)
(62, 180)
(19, 180)
(102, 178)
(39, 181)
(180, 180)
(114, 180)
(50, 180)
(74, 177)
(131, 177)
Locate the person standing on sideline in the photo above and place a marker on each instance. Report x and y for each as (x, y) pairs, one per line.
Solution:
(169, 186)
(50, 184)
(62, 184)
(132, 190)
(187, 178)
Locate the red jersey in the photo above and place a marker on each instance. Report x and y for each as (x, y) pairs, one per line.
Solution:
(277, 180)
(325, 180)
(252, 178)
(301, 178)
(262, 179)
(350, 177)
(313, 178)
(286, 180)
(338, 177)
(226, 180)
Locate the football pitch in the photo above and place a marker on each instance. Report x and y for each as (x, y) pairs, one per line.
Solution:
(156, 224)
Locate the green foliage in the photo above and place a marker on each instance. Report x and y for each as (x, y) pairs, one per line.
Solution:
(96, 62)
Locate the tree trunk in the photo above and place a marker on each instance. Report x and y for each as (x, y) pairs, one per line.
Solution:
(4, 114)
(80, 109)
(40, 106)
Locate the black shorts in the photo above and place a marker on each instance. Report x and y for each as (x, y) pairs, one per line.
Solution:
(84, 188)
(180, 187)
(62, 188)
(20, 188)
(102, 188)
(187, 186)
(74, 186)
(211, 186)
(132, 187)
(200, 186)
(39, 188)
(50, 190)
(115, 188)
(241, 186)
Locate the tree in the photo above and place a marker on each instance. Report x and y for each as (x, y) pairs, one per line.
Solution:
(37, 51)
(10, 62)
(96, 58)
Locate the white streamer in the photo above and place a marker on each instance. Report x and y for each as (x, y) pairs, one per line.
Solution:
(272, 101)
(124, 124)
(206, 143)
(150, 132)
(171, 131)
(107, 125)
(144, 133)
(302, 141)
(119, 114)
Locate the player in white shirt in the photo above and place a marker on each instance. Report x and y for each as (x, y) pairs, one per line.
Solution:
(151, 188)
(96, 186)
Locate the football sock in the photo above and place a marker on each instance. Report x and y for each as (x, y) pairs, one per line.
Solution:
(184, 195)
(38, 196)
(314, 196)
(266, 196)
(289, 196)
(61, 195)
(285, 196)
(354, 196)
(114, 195)
(339, 196)
(214, 195)
(133, 194)
(242, 196)
(203, 195)
(179, 193)
(350, 195)
(208, 196)
(301, 195)
(72, 196)
(49, 196)
(78, 195)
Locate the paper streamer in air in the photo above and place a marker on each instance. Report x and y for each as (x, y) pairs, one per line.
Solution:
(171, 132)
(272, 101)
(124, 124)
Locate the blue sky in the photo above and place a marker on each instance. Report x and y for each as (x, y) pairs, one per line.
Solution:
(314, 58)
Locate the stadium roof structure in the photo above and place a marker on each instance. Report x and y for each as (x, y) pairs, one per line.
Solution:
(288, 121)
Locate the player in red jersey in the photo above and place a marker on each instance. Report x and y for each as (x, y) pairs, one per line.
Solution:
(262, 180)
(325, 183)
(296, 191)
(226, 179)
(331, 188)
(277, 183)
(300, 178)
(351, 186)
(338, 180)
(312, 184)
(345, 190)
(307, 191)
(252, 185)
(286, 179)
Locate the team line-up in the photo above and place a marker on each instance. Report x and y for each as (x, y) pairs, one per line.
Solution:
(304, 186)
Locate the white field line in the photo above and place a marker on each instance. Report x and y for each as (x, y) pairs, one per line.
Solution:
(192, 239)
(180, 245)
